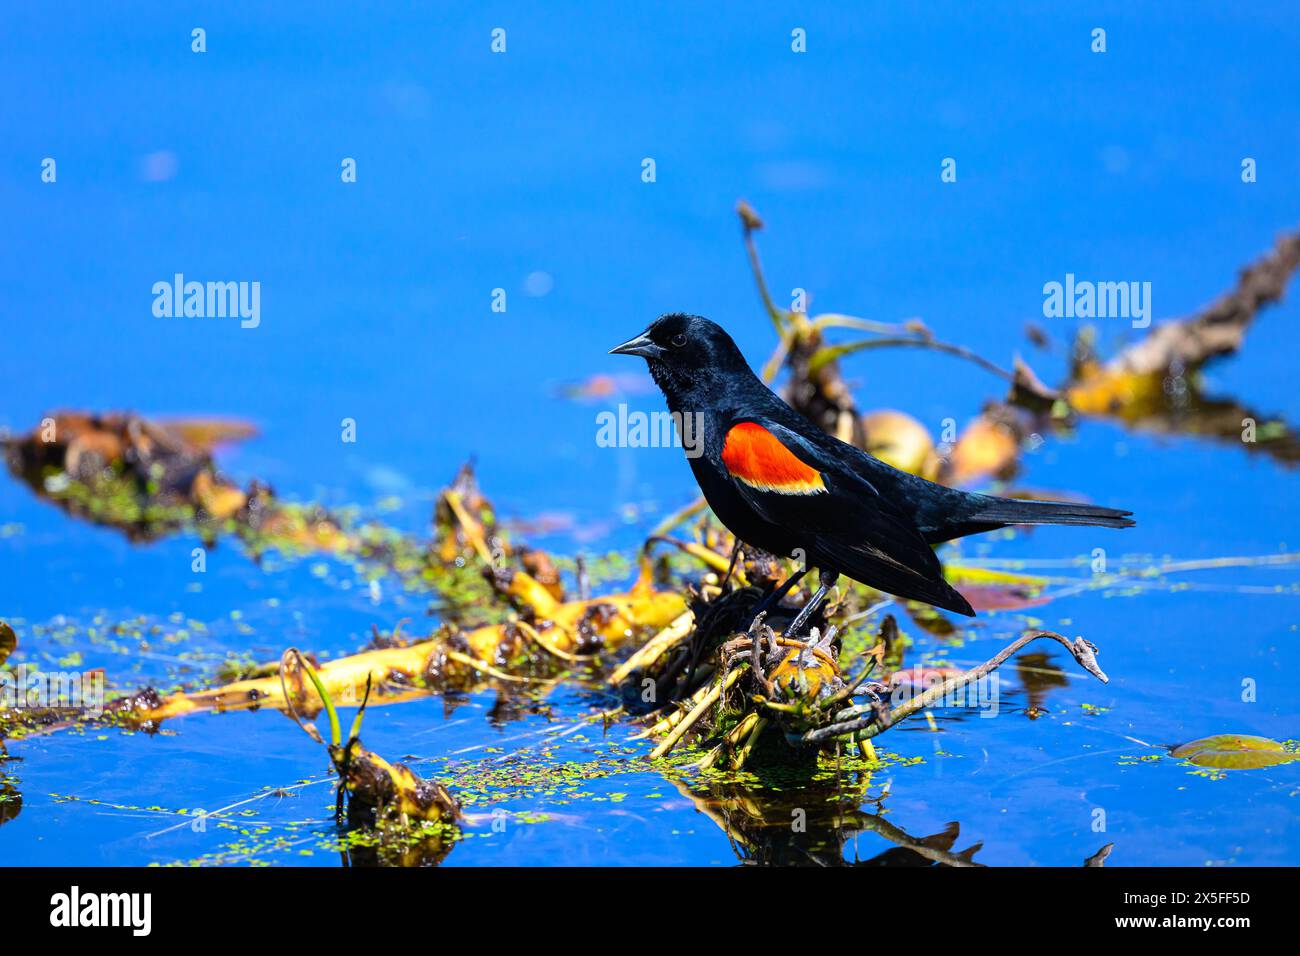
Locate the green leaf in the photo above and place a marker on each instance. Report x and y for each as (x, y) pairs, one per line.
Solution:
(1235, 752)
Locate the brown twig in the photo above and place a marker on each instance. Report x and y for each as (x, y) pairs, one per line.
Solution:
(751, 223)
(920, 342)
(855, 723)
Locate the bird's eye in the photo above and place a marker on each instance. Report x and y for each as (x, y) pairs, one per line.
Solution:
(679, 340)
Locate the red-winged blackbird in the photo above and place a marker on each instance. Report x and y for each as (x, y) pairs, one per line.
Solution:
(782, 484)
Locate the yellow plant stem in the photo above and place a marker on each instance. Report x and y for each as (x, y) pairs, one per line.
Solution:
(613, 617)
(715, 691)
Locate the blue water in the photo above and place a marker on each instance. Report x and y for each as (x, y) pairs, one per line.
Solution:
(476, 171)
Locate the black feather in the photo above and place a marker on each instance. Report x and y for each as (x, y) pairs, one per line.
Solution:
(1007, 511)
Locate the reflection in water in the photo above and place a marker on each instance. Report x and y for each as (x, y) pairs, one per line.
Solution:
(11, 798)
(1154, 385)
(811, 826)
(364, 846)
(1038, 675)
(1179, 408)
(11, 802)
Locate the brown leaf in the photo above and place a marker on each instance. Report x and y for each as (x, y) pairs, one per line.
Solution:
(204, 434)
(1028, 390)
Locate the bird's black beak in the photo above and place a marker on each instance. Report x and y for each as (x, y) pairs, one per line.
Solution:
(642, 345)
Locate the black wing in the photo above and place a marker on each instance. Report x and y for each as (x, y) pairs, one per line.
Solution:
(851, 528)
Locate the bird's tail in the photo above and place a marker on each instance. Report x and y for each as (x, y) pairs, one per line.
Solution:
(1006, 511)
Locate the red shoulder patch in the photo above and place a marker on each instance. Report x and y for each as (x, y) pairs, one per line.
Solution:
(757, 457)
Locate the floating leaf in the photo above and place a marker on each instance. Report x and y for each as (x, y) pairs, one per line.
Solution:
(1235, 752)
(996, 597)
(990, 590)
(960, 574)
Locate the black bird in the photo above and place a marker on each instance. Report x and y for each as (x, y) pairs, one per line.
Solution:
(780, 483)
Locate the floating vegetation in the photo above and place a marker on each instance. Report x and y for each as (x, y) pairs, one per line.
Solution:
(1235, 752)
(152, 479)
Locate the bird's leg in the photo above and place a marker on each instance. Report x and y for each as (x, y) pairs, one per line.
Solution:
(735, 553)
(775, 598)
(827, 581)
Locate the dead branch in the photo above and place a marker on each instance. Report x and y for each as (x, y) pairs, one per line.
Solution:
(862, 722)
(1220, 327)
